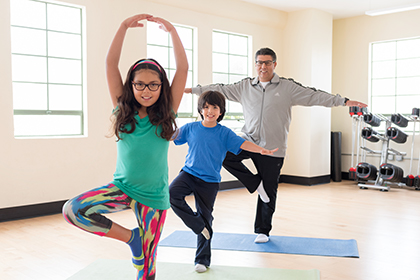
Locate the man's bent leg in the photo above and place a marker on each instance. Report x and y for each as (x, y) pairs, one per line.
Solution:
(233, 164)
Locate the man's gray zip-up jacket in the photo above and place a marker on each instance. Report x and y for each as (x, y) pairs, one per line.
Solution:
(267, 112)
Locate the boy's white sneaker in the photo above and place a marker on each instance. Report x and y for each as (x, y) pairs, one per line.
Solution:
(200, 268)
(206, 233)
(261, 238)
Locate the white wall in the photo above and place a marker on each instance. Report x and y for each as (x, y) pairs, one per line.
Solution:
(45, 170)
(307, 59)
(351, 38)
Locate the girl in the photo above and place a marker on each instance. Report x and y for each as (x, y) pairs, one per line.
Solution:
(144, 109)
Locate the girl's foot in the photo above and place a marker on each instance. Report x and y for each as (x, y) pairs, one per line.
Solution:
(136, 248)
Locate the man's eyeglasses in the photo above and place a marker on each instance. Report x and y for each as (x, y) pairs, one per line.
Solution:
(266, 62)
(142, 86)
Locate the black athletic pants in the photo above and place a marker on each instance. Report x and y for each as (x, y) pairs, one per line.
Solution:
(268, 169)
(205, 195)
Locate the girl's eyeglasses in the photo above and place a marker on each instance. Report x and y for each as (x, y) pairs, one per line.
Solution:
(142, 86)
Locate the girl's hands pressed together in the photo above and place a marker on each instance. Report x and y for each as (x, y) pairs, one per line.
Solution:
(163, 24)
(134, 20)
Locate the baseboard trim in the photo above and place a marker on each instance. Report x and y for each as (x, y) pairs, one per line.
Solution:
(229, 185)
(42, 209)
(306, 181)
(31, 211)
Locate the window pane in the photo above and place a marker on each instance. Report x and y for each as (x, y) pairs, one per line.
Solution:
(408, 48)
(220, 78)
(160, 54)
(220, 42)
(382, 87)
(235, 125)
(29, 68)
(186, 102)
(238, 64)
(220, 62)
(238, 45)
(64, 71)
(405, 104)
(27, 96)
(62, 97)
(156, 36)
(383, 51)
(407, 86)
(234, 107)
(236, 78)
(47, 125)
(182, 121)
(62, 18)
(172, 62)
(171, 74)
(189, 82)
(21, 36)
(64, 45)
(408, 67)
(186, 35)
(383, 69)
(383, 105)
(28, 13)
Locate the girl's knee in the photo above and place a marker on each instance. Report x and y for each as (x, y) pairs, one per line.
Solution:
(66, 208)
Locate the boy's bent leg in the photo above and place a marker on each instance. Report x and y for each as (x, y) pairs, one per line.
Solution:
(233, 164)
(180, 187)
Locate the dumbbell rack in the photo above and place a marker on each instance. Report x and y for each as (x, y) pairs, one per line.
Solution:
(381, 180)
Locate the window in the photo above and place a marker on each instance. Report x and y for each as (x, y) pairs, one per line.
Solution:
(47, 69)
(159, 47)
(395, 76)
(232, 62)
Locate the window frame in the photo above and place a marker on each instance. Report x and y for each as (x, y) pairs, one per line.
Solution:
(394, 77)
(192, 64)
(83, 98)
(229, 116)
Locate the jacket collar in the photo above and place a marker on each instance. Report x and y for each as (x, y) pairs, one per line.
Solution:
(274, 80)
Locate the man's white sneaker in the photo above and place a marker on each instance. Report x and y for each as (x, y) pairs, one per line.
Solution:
(261, 238)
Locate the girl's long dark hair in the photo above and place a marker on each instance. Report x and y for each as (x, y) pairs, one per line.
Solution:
(160, 113)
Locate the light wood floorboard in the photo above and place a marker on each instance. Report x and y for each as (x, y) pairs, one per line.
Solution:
(386, 226)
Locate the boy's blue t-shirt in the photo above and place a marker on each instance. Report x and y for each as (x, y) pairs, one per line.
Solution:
(207, 147)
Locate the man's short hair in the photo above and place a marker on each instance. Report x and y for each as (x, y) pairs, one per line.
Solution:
(212, 97)
(266, 51)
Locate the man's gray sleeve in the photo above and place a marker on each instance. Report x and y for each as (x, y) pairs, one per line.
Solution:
(306, 96)
(232, 92)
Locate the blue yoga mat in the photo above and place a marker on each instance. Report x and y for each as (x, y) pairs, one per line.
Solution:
(277, 244)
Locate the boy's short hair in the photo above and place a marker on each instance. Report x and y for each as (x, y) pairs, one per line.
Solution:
(212, 97)
(266, 51)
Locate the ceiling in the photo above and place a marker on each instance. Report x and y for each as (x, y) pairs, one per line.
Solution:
(338, 8)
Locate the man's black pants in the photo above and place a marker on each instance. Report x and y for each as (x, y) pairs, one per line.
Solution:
(268, 169)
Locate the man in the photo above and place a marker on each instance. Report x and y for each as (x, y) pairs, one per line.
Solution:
(267, 101)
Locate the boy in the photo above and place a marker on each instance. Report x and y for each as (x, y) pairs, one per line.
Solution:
(208, 143)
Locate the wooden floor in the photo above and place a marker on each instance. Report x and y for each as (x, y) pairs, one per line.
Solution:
(386, 226)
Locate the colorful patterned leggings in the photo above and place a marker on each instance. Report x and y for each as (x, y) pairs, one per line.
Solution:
(84, 211)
